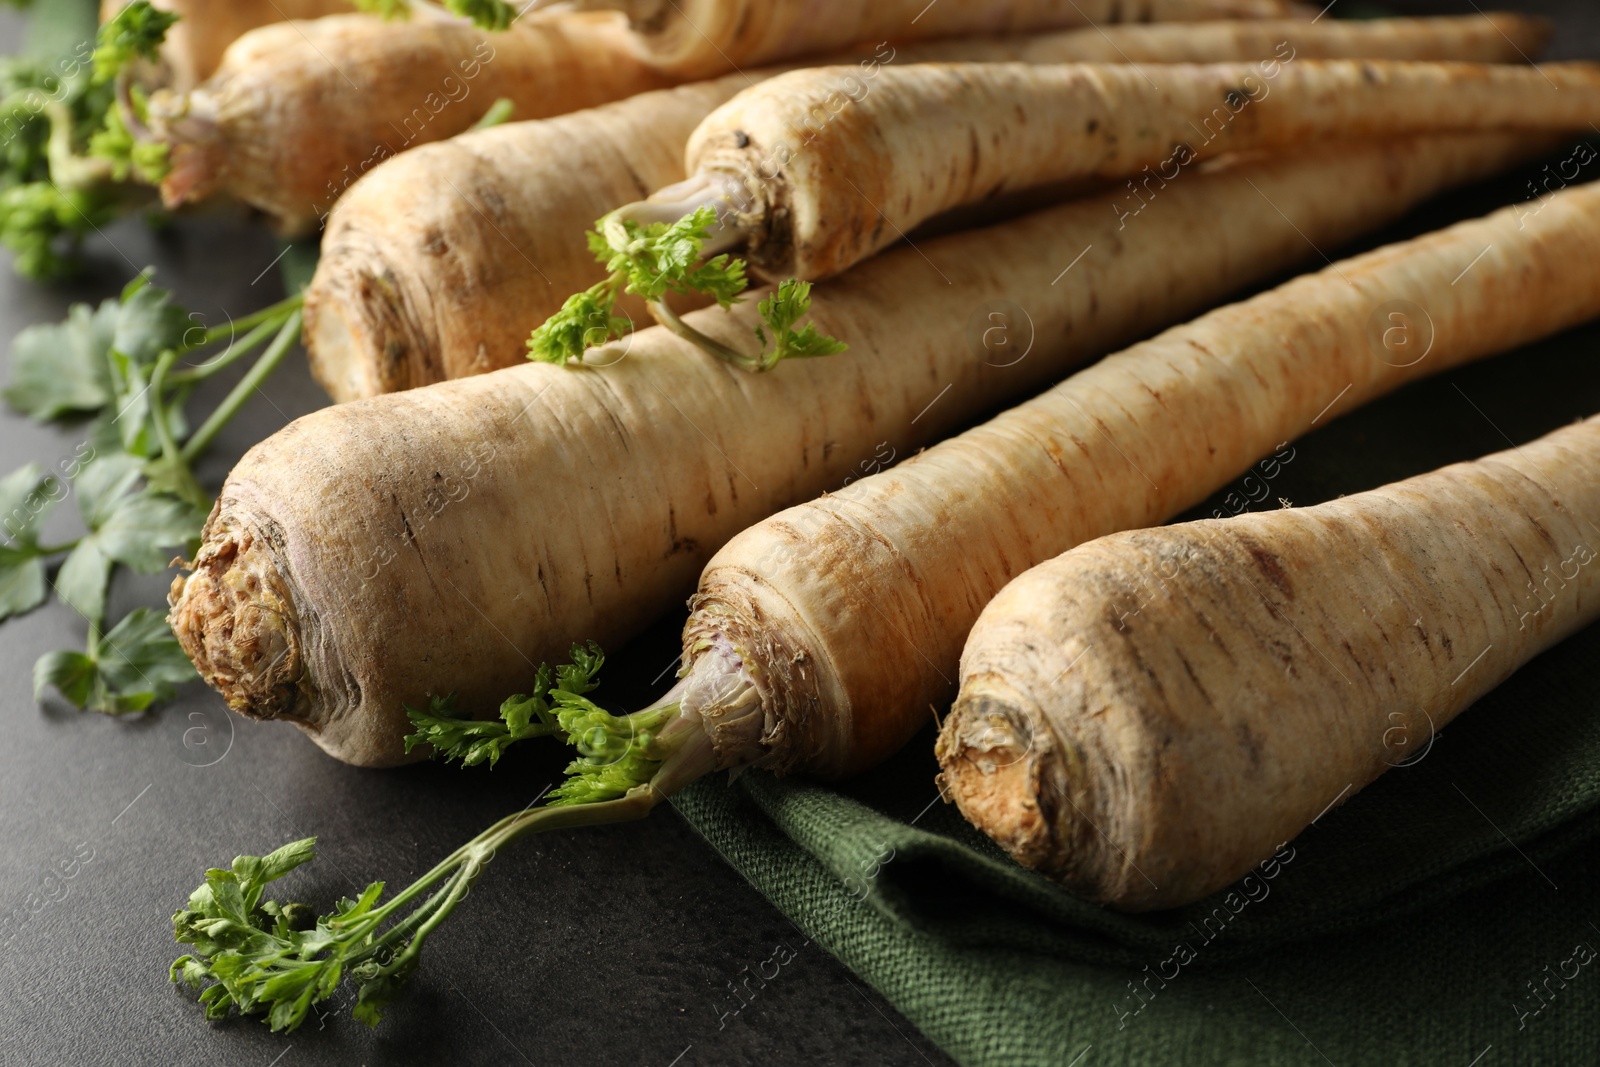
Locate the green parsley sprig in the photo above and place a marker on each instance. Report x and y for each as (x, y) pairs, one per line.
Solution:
(130, 367)
(275, 960)
(70, 163)
(472, 741)
(651, 260)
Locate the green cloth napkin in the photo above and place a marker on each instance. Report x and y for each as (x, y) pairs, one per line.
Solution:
(1444, 915)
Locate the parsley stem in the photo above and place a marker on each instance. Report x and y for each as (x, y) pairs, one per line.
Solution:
(232, 354)
(288, 334)
(710, 345)
(68, 169)
(250, 321)
(158, 381)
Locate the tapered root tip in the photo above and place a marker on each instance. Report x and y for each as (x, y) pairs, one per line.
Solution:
(235, 624)
(990, 768)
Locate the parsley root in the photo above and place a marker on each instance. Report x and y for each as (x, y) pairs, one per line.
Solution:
(414, 287)
(437, 540)
(702, 38)
(815, 170)
(1198, 694)
(298, 111)
(857, 604)
(1497, 37)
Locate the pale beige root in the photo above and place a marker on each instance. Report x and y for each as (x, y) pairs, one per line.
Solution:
(195, 44)
(414, 287)
(1174, 704)
(444, 539)
(300, 110)
(851, 610)
(1497, 37)
(827, 169)
(702, 38)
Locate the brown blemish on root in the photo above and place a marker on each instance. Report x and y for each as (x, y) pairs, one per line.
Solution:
(1269, 565)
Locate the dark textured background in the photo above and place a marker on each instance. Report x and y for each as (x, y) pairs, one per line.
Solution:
(607, 946)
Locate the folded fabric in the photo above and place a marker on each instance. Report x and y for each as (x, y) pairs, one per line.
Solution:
(1446, 914)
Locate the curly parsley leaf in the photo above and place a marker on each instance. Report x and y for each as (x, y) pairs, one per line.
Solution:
(780, 311)
(130, 159)
(532, 715)
(135, 665)
(136, 32)
(34, 215)
(658, 258)
(586, 320)
(648, 260)
(280, 960)
(67, 153)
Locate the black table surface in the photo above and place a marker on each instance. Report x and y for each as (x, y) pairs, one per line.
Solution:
(609, 946)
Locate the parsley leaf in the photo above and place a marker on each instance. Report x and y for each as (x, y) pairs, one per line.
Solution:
(523, 716)
(648, 260)
(138, 528)
(135, 32)
(660, 258)
(585, 321)
(60, 368)
(67, 151)
(148, 162)
(25, 496)
(149, 322)
(654, 259)
(781, 310)
(263, 958)
(135, 665)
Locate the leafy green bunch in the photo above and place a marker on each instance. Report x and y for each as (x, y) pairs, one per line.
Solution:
(118, 365)
(651, 260)
(280, 960)
(69, 164)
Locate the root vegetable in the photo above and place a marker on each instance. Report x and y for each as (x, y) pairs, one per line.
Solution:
(299, 110)
(428, 541)
(816, 170)
(195, 45)
(1150, 714)
(702, 38)
(414, 287)
(1496, 37)
(849, 612)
